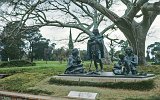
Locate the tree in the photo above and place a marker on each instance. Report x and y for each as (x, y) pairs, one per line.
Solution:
(123, 44)
(154, 49)
(75, 15)
(135, 32)
(61, 54)
(83, 55)
(53, 45)
(33, 36)
(112, 50)
(41, 49)
(12, 44)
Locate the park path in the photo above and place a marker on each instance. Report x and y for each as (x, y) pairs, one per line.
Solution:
(21, 96)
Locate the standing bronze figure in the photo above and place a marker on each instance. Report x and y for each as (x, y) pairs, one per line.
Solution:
(95, 49)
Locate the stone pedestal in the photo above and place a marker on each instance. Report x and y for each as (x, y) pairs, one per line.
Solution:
(104, 77)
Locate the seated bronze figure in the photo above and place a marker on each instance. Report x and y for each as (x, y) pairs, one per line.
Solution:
(74, 63)
(127, 64)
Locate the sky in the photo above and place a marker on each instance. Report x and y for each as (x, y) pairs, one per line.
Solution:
(60, 36)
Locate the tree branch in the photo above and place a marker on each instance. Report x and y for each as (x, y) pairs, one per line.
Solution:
(79, 25)
(150, 11)
(25, 16)
(89, 27)
(100, 19)
(107, 28)
(126, 2)
(152, 6)
(134, 9)
(76, 40)
(82, 39)
(137, 16)
(114, 40)
(82, 7)
(111, 15)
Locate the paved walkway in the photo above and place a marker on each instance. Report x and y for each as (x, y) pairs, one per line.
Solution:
(18, 96)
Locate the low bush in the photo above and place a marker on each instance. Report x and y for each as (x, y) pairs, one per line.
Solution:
(143, 85)
(17, 63)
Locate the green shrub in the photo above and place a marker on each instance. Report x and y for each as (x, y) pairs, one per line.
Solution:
(143, 85)
(17, 63)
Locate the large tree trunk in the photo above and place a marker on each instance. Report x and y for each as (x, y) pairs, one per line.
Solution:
(139, 49)
(136, 36)
(141, 52)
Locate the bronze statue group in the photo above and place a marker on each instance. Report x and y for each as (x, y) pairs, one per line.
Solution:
(126, 64)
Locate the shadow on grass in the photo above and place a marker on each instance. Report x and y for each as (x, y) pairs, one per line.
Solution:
(142, 86)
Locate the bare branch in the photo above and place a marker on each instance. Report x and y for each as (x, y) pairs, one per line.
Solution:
(44, 15)
(126, 2)
(114, 40)
(100, 19)
(107, 28)
(152, 6)
(82, 39)
(79, 25)
(137, 16)
(35, 12)
(108, 3)
(78, 36)
(26, 15)
(82, 7)
(111, 15)
(134, 9)
(89, 27)
(150, 12)
(3, 17)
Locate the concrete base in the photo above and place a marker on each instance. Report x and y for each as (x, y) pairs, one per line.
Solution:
(104, 77)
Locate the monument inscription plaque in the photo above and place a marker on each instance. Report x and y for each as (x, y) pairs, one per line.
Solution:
(82, 95)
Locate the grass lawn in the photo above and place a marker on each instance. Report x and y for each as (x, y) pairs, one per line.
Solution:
(34, 80)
